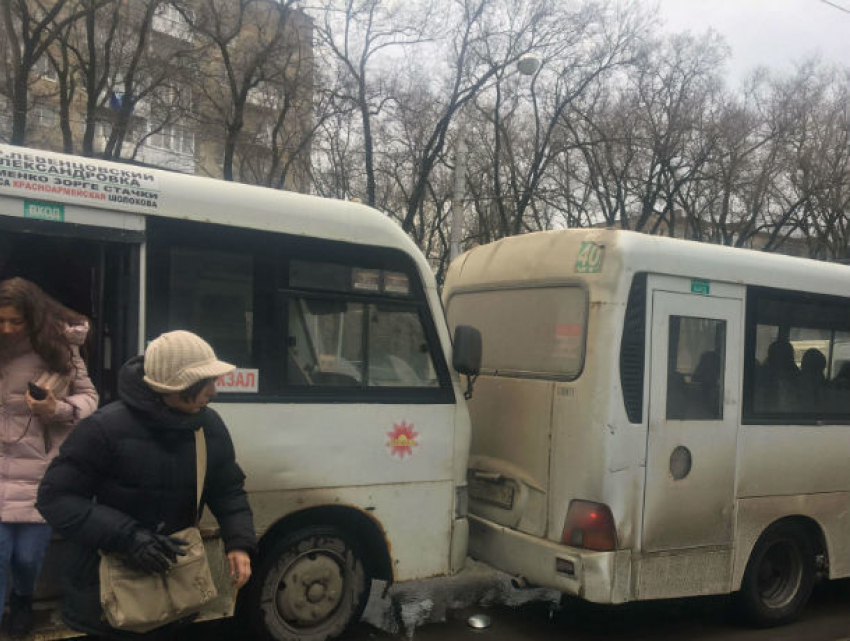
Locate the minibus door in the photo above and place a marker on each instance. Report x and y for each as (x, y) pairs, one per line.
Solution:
(94, 272)
(693, 417)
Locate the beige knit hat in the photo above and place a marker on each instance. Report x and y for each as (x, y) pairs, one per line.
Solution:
(177, 360)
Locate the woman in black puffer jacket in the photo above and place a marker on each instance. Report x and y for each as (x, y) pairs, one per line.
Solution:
(126, 475)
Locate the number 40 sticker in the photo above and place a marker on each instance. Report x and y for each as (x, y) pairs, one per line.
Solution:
(589, 260)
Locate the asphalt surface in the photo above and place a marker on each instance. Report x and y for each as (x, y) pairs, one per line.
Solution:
(827, 618)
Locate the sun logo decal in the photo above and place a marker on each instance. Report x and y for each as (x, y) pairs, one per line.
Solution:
(402, 439)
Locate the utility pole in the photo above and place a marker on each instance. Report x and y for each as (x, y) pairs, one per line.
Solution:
(527, 66)
(458, 196)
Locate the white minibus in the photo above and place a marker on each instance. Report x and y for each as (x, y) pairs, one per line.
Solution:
(641, 428)
(347, 419)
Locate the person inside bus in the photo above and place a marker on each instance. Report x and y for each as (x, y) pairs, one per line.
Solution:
(778, 381)
(125, 478)
(812, 380)
(706, 385)
(842, 378)
(40, 343)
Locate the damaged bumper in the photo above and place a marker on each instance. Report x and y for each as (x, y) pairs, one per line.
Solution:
(601, 577)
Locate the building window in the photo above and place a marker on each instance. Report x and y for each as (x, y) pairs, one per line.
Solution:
(176, 138)
(44, 69)
(169, 12)
(45, 116)
(5, 116)
(169, 20)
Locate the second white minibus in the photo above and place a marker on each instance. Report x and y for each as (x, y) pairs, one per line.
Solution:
(641, 426)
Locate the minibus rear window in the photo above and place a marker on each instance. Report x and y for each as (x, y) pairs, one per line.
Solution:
(535, 331)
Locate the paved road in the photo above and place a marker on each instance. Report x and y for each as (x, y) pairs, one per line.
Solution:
(826, 619)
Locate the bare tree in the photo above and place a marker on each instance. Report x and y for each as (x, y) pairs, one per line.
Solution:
(356, 34)
(592, 44)
(288, 115)
(246, 39)
(642, 145)
(30, 28)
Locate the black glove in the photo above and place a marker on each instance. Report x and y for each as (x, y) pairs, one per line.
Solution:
(151, 553)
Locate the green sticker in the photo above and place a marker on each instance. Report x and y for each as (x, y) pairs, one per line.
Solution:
(44, 211)
(589, 259)
(700, 287)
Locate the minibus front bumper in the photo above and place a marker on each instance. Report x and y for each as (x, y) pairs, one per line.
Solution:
(601, 577)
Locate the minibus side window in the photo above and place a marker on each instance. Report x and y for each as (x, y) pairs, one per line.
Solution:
(303, 319)
(796, 358)
(398, 350)
(338, 343)
(211, 292)
(695, 368)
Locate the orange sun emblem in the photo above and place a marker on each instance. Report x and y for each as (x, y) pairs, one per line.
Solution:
(402, 439)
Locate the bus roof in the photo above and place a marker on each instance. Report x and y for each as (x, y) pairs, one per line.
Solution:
(555, 255)
(90, 182)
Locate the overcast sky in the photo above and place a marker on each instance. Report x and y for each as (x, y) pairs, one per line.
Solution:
(774, 33)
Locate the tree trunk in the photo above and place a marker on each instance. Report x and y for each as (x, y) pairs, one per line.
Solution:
(20, 94)
(233, 131)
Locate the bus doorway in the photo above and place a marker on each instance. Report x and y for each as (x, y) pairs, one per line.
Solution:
(91, 275)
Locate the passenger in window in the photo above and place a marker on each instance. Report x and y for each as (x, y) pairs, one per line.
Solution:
(779, 379)
(839, 386)
(842, 378)
(812, 380)
(706, 385)
(125, 479)
(677, 395)
(46, 390)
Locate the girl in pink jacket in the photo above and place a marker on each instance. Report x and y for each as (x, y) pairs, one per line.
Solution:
(39, 345)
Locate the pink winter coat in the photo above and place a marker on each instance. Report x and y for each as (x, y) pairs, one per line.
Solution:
(24, 439)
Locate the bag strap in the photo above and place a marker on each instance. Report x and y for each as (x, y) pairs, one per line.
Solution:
(200, 469)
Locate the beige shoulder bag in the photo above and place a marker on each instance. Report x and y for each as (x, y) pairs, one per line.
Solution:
(140, 602)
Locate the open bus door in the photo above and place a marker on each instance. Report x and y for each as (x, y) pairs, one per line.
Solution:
(90, 273)
(95, 272)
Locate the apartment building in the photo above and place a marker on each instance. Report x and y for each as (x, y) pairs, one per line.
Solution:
(184, 114)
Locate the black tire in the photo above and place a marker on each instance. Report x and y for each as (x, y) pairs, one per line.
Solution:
(779, 577)
(309, 586)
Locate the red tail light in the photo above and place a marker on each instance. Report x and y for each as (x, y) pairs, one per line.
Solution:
(590, 526)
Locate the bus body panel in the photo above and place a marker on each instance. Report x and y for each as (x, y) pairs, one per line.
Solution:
(828, 511)
(414, 518)
(321, 459)
(319, 446)
(506, 411)
(761, 446)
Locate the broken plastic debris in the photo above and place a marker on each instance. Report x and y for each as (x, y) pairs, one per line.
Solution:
(403, 607)
(479, 621)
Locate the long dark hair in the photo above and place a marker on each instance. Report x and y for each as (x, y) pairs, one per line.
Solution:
(45, 319)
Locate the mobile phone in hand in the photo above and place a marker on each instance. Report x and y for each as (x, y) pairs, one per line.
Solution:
(37, 392)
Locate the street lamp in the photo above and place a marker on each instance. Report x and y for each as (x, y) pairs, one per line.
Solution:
(527, 65)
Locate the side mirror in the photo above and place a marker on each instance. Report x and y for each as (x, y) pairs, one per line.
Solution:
(466, 358)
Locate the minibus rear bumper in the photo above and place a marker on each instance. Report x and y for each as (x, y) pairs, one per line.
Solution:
(601, 577)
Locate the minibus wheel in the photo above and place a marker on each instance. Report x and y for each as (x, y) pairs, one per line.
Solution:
(779, 576)
(308, 587)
